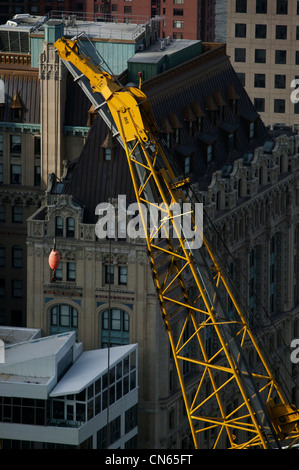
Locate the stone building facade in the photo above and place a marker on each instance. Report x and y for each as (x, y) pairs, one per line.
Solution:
(249, 188)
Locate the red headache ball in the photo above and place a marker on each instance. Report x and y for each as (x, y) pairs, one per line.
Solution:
(54, 260)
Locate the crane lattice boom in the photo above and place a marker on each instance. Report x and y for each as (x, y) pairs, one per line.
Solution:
(190, 284)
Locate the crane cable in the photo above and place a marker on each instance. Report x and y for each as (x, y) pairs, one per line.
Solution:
(109, 305)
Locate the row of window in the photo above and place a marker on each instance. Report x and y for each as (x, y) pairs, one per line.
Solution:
(16, 257)
(279, 80)
(16, 174)
(34, 411)
(261, 7)
(16, 214)
(67, 271)
(115, 429)
(15, 145)
(114, 322)
(16, 288)
(260, 56)
(281, 31)
(64, 227)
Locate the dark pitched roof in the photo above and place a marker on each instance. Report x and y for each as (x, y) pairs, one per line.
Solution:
(196, 85)
(27, 88)
(92, 180)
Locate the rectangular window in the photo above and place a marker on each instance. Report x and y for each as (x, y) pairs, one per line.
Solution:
(58, 272)
(282, 7)
(260, 31)
(187, 165)
(116, 320)
(1, 144)
(64, 318)
(281, 32)
(37, 175)
(70, 227)
(260, 56)
(115, 430)
(2, 213)
(241, 6)
(17, 289)
(210, 153)
(297, 57)
(2, 287)
(241, 77)
(131, 418)
(15, 174)
(240, 30)
(259, 80)
(279, 81)
(2, 256)
(178, 24)
(252, 130)
(178, 12)
(71, 271)
(280, 57)
(107, 154)
(59, 226)
(122, 275)
(15, 144)
(37, 146)
(259, 104)
(261, 6)
(109, 274)
(17, 257)
(17, 214)
(240, 54)
(279, 106)
(1, 172)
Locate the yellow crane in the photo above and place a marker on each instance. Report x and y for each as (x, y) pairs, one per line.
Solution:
(190, 285)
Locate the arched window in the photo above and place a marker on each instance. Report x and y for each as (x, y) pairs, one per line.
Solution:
(116, 326)
(63, 318)
(17, 257)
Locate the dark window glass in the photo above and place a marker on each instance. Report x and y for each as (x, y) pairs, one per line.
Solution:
(279, 106)
(260, 56)
(240, 30)
(261, 6)
(281, 32)
(260, 31)
(240, 54)
(282, 7)
(241, 6)
(259, 80)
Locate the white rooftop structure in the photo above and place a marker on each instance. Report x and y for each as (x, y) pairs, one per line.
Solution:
(88, 368)
(35, 362)
(54, 393)
(16, 334)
